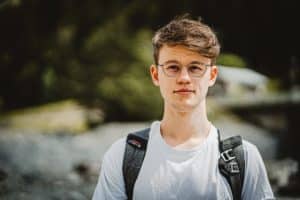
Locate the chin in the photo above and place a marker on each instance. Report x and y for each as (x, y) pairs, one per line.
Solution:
(184, 108)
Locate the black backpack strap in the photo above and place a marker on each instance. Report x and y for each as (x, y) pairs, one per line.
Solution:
(232, 163)
(135, 150)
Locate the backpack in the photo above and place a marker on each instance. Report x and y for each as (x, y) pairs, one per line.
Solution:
(231, 161)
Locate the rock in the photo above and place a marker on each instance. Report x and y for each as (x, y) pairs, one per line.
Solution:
(280, 171)
(75, 195)
(292, 188)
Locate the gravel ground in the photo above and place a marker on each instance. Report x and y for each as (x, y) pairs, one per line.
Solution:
(41, 166)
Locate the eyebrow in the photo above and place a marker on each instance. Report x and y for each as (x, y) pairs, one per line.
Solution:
(193, 62)
(171, 61)
(197, 62)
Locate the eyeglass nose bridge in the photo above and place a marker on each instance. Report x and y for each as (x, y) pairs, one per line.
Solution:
(186, 73)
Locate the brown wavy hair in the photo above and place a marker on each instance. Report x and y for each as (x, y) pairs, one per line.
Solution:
(193, 34)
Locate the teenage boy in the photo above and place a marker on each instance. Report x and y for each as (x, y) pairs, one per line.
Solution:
(182, 156)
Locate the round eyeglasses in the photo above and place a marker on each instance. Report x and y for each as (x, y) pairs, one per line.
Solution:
(195, 69)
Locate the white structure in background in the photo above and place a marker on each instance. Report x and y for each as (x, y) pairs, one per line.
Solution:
(239, 82)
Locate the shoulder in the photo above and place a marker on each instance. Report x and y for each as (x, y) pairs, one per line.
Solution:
(251, 153)
(115, 151)
(255, 170)
(110, 184)
(111, 166)
(253, 159)
(249, 147)
(256, 182)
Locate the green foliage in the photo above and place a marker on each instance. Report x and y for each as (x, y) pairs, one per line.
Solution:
(273, 85)
(130, 97)
(128, 93)
(111, 71)
(230, 59)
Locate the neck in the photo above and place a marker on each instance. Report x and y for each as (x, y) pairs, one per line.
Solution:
(179, 127)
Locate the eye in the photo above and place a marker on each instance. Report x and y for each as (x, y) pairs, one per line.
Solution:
(196, 69)
(172, 68)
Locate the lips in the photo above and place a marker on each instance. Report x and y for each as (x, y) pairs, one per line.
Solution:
(184, 91)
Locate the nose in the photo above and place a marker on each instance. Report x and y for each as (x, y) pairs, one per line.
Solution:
(183, 76)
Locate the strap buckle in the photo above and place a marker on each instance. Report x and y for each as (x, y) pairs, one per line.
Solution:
(233, 167)
(226, 155)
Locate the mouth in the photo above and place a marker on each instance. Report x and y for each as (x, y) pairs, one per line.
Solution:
(184, 91)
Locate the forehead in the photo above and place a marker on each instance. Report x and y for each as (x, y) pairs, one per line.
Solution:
(181, 54)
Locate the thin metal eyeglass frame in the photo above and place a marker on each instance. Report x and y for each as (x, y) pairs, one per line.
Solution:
(206, 66)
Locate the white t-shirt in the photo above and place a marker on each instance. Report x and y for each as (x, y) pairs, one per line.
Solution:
(169, 173)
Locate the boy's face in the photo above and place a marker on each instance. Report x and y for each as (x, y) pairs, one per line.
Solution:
(183, 92)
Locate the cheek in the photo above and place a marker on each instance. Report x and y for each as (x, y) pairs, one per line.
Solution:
(164, 87)
(202, 85)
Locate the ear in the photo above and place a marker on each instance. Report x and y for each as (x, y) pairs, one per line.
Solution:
(213, 75)
(154, 75)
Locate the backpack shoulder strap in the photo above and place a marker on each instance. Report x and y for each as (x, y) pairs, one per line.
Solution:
(232, 163)
(135, 150)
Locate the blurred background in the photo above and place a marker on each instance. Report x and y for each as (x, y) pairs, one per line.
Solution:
(74, 77)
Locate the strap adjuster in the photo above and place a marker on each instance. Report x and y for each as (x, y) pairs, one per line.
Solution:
(226, 155)
(135, 143)
(232, 167)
